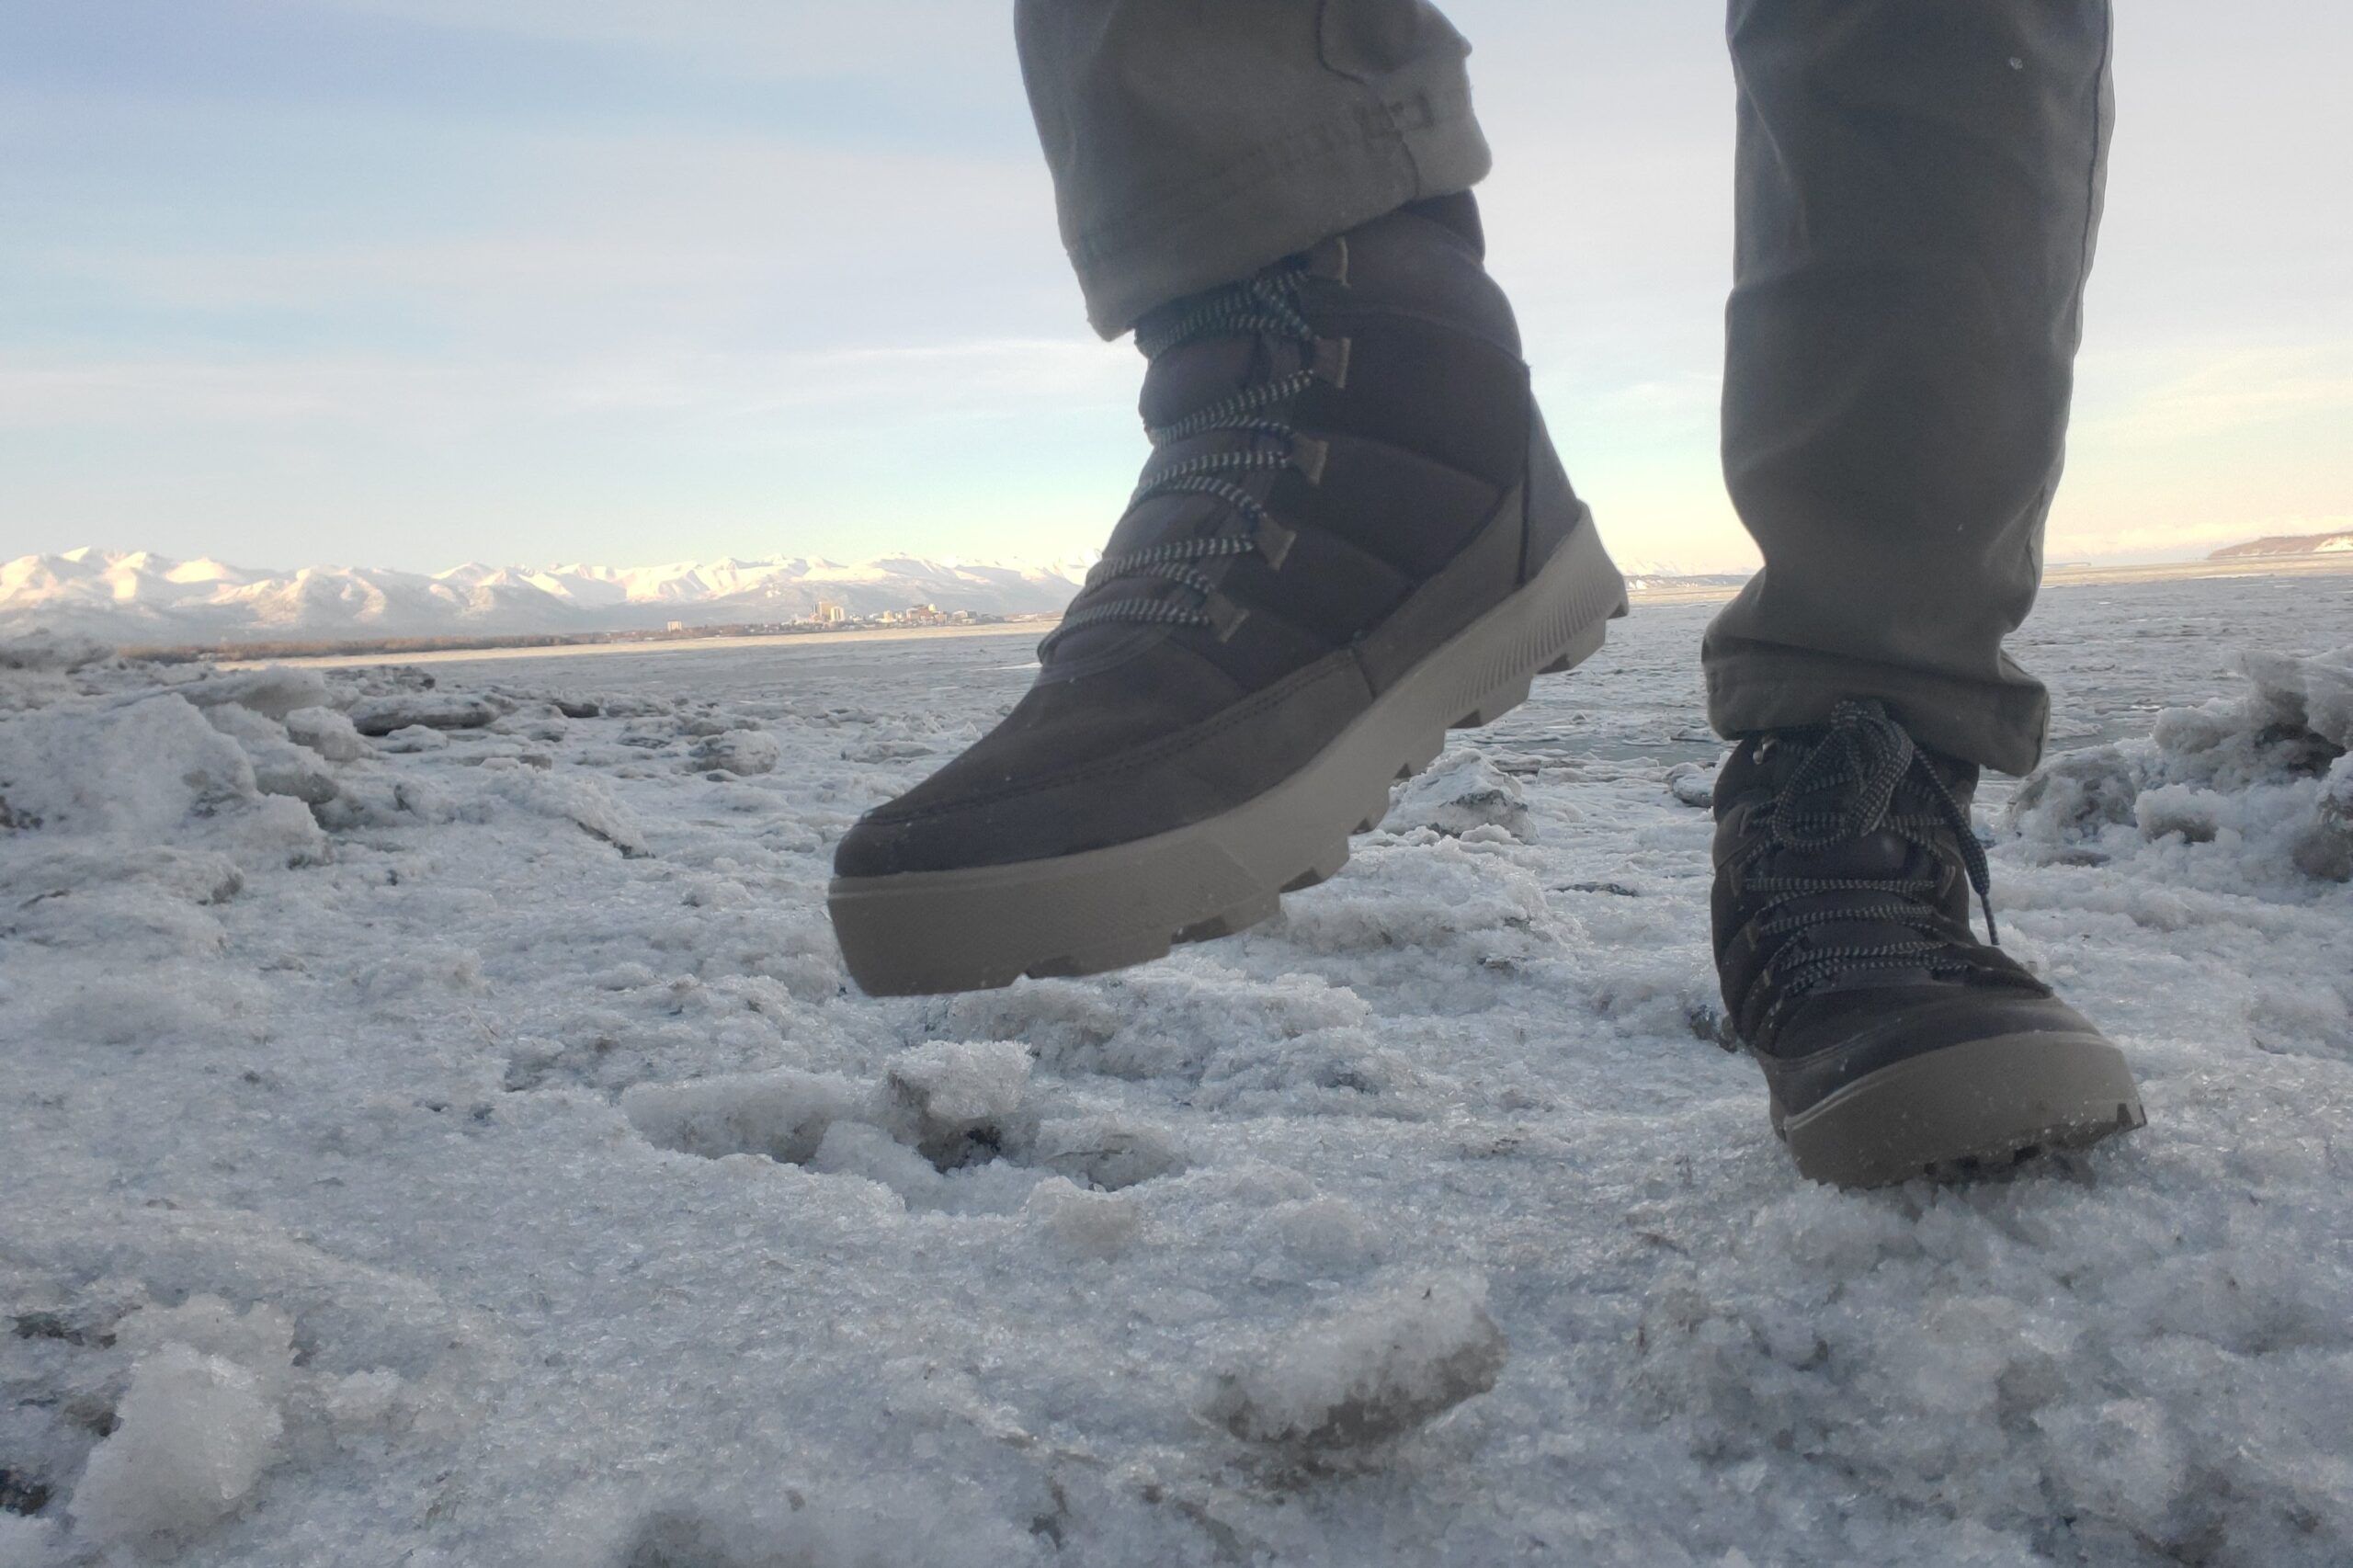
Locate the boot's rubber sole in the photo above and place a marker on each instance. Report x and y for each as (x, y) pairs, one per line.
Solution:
(921, 933)
(1966, 1110)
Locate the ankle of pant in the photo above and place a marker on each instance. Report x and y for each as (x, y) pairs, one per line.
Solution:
(1995, 725)
(1300, 190)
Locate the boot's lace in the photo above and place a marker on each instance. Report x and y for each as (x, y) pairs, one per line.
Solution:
(1268, 303)
(1845, 790)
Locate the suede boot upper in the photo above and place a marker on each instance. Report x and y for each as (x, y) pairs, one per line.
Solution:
(1341, 479)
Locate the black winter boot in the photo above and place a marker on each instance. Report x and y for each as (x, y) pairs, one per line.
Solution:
(1894, 1042)
(1352, 533)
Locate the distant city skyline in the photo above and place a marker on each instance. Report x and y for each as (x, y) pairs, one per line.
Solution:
(413, 282)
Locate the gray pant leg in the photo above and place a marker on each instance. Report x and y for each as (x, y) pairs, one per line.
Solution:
(1193, 141)
(1918, 186)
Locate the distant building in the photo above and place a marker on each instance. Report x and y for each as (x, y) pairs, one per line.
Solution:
(675, 626)
(831, 613)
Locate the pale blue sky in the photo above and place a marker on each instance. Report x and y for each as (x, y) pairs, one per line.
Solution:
(407, 283)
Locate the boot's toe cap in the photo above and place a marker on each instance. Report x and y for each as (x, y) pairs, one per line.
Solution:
(888, 844)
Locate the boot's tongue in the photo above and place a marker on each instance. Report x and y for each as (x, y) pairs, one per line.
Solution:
(1841, 843)
(1159, 519)
(1181, 382)
(1194, 375)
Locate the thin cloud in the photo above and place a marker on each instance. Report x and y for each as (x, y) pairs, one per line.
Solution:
(2228, 390)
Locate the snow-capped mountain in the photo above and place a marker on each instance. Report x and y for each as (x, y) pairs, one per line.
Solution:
(138, 597)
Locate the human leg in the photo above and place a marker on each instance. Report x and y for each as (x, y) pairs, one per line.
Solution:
(1919, 188)
(1351, 534)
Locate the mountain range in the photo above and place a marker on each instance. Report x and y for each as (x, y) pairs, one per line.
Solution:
(137, 597)
(140, 597)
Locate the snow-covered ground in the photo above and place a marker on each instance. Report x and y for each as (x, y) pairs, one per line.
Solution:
(437, 1133)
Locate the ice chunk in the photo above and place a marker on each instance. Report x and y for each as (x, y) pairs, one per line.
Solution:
(782, 1115)
(275, 692)
(141, 767)
(2326, 849)
(791, 1528)
(413, 738)
(1325, 1233)
(26, 1544)
(1372, 1373)
(740, 752)
(281, 767)
(2075, 794)
(2195, 814)
(72, 868)
(1692, 784)
(159, 1006)
(958, 1085)
(1463, 791)
(965, 1098)
(585, 801)
(1431, 902)
(2315, 694)
(545, 724)
(863, 1149)
(1083, 1223)
(431, 709)
(50, 651)
(714, 724)
(1099, 1152)
(2121, 1459)
(424, 972)
(242, 723)
(192, 1436)
(274, 833)
(327, 733)
(2255, 780)
(364, 1399)
(261, 1340)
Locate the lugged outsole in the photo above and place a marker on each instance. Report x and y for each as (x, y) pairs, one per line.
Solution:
(927, 932)
(1966, 1111)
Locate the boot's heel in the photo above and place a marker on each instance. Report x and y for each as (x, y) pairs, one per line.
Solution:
(1587, 644)
(1552, 510)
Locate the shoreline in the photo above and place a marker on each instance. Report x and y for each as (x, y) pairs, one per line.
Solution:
(647, 646)
(2063, 576)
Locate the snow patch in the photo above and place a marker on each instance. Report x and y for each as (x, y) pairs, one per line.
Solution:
(796, 1529)
(178, 1005)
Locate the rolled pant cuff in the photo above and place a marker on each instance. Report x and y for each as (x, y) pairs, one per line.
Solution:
(1294, 192)
(1994, 724)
